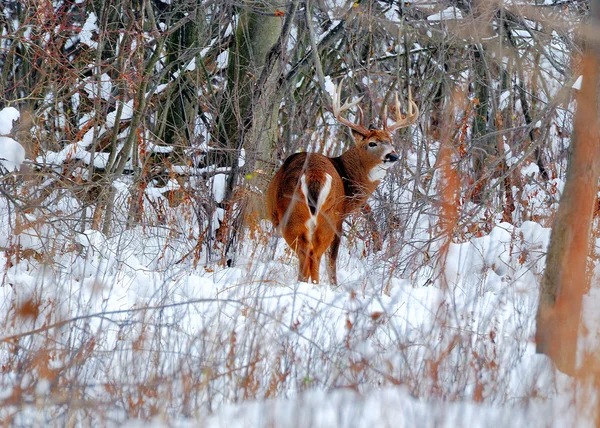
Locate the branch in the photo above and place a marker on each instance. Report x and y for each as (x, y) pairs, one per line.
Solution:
(315, 53)
(338, 29)
(511, 17)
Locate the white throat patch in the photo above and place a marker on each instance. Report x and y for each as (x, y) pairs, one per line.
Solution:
(378, 172)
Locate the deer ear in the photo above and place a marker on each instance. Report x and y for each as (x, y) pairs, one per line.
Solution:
(358, 137)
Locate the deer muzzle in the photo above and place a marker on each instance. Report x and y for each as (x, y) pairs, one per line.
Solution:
(391, 157)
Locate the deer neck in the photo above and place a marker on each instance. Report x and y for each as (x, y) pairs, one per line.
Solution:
(357, 185)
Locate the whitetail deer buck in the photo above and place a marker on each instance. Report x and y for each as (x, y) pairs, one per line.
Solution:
(311, 194)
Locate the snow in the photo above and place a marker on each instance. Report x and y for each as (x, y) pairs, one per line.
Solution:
(129, 284)
(89, 27)
(530, 169)
(330, 86)
(75, 151)
(578, 82)
(12, 154)
(446, 14)
(126, 113)
(222, 60)
(218, 184)
(155, 148)
(7, 116)
(157, 192)
(191, 65)
(504, 97)
(101, 88)
(388, 407)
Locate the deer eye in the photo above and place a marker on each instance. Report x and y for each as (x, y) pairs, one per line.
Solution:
(372, 144)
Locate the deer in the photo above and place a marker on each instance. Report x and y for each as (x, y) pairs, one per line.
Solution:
(311, 195)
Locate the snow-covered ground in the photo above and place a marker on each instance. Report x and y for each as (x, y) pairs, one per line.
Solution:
(250, 346)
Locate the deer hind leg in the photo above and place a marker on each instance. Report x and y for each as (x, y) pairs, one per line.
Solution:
(333, 254)
(322, 240)
(315, 194)
(304, 252)
(309, 259)
(315, 262)
(304, 265)
(308, 267)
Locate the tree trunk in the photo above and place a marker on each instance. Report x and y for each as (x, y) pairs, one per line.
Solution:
(565, 280)
(483, 145)
(182, 94)
(255, 36)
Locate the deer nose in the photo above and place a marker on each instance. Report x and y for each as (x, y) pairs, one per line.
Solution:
(391, 157)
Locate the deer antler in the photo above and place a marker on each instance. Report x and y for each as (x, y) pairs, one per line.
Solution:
(337, 111)
(402, 122)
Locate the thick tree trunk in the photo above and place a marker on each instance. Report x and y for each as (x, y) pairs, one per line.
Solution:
(565, 279)
(248, 118)
(255, 36)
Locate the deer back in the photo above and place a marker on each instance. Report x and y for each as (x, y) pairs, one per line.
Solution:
(305, 183)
